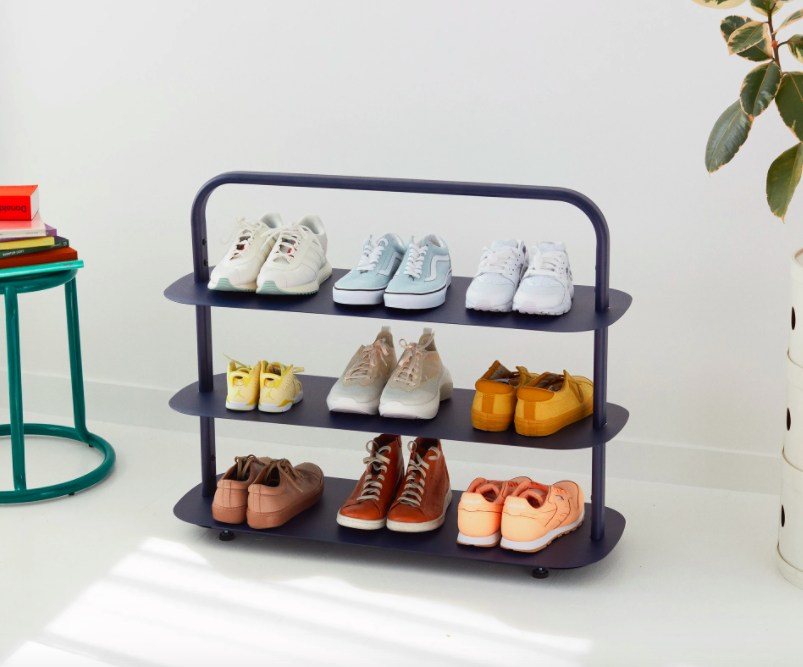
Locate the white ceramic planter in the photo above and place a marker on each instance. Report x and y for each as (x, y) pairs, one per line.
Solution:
(793, 434)
(790, 528)
(796, 311)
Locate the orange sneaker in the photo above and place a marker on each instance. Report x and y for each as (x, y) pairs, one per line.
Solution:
(231, 497)
(550, 401)
(479, 514)
(495, 399)
(535, 514)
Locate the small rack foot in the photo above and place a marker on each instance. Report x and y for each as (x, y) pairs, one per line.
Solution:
(540, 573)
(226, 536)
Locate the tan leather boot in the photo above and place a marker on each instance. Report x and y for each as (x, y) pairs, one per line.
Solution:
(425, 492)
(231, 497)
(281, 491)
(367, 506)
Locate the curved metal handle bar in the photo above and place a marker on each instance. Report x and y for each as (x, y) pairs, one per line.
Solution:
(199, 245)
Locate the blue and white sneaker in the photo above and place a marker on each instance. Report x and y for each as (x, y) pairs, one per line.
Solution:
(423, 277)
(365, 284)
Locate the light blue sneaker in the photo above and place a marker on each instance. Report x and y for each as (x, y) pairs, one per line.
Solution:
(365, 284)
(423, 277)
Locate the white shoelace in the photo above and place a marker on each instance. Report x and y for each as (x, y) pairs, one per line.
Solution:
(415, 261)
(544, 264)
(376, 464)
(410, 362)
(371, 253)
(244, 230)
(371, 356)
(287, 242)
(498, 261)
(414, 491)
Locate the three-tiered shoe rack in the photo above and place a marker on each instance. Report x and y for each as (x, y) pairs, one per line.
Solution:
(593, 309)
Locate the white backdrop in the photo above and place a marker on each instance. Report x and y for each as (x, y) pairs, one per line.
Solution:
(121, 112)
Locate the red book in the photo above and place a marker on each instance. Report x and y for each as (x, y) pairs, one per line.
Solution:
(18, 202)
(45, 257)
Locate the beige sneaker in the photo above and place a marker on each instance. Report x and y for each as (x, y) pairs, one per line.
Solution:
(359, 388)
(281, 491)
(418, 383)
(231, 497)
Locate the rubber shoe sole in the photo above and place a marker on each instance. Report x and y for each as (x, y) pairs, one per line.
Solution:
(224, 285)
(353, 297)
(486, 541)
(269, 286)
(345, 404)
(424, 526)
(542, 542)
(271, 407)
(488, 422)
(399, 410)
(414, 301)
(541, 427)
(361, 524)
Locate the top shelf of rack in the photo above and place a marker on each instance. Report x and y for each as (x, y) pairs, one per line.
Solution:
(582, 316)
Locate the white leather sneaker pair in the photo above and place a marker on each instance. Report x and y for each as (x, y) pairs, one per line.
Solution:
(268, 257)
(510, 278)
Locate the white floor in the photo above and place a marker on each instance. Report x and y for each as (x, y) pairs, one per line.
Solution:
(110, 577)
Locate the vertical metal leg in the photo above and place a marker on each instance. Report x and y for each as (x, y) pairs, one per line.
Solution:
(15, 389)
(76, 367)
(600, 419)
(203, 328)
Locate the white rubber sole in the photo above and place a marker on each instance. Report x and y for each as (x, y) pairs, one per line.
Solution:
(530, 306)
(351, 297)
(343, 404)
(541, 542)
(268, 407)
(424, 526)
(360, 524)
(487, 541)
(240, 407)
(224, 285)
(502, 308)
(410, 301)
(269, 286)
(425, 410)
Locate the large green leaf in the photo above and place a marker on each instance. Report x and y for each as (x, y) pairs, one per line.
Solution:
(789, 99)
(729, 134)
(750, 34)
(759, 88)
(795, 45)
(789, 20)
(731, 23)
(764, 6)
(720, 4)
(782, 179)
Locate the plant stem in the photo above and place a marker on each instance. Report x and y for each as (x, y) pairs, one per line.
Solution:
(775, 44)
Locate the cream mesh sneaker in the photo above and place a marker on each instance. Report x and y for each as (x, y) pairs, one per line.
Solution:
(360, 386)
(419, 383)
(252, 241)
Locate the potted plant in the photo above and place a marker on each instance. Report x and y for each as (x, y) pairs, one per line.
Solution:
(760, 39)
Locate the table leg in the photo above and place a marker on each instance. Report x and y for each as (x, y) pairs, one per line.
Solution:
(15, 389)
(76, 368)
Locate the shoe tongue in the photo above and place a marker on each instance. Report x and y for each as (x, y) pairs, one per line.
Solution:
(509, 243)
(548, 246)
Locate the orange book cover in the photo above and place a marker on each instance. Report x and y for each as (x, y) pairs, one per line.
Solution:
(45, 257)
(18, 202)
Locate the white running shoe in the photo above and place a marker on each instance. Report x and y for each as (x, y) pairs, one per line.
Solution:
(297, 264)
(498, 276)
(547, 287)
(253, 241)
(419, 382)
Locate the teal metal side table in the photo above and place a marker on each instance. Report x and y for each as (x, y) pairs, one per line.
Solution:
(18, 429)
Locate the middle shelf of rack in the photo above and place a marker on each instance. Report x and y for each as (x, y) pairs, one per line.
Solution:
(581, 317)
(453, 421)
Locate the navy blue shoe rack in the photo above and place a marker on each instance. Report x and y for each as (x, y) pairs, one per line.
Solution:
(594, 309)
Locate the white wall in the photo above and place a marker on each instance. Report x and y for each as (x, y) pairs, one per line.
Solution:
(120, 112)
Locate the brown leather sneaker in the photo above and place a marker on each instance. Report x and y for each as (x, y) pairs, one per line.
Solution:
(231, 497)
(281, 491)
(425, 493)
(367, 506)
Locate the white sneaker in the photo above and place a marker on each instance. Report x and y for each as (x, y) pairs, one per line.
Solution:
(547, 287)
(359, 388)
(419, 382)
(253, 241)
(297, 264)
(498, 276)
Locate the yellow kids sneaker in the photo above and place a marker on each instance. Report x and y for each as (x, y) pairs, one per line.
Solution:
(279, 388)
(550, 401)
(243, 385)
(495, 399)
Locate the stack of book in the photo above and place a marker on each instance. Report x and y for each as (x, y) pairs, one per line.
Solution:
(25, 240)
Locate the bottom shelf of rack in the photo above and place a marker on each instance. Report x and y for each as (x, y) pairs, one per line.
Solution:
(318, 523)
